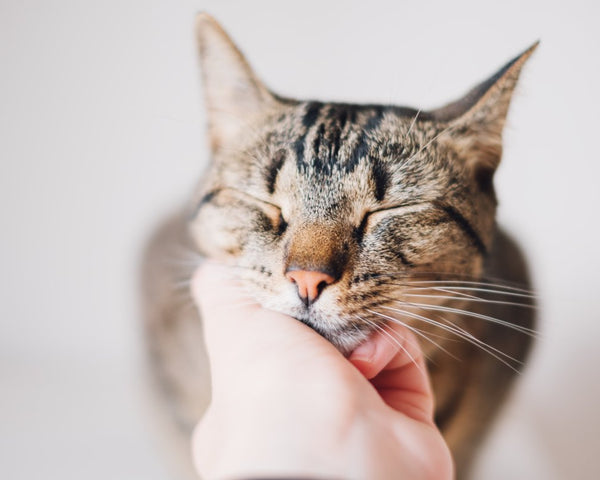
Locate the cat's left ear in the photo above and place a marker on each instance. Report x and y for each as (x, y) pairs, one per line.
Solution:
(476, 120)
(234, 95)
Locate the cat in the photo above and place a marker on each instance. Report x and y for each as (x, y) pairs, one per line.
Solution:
(349, 217)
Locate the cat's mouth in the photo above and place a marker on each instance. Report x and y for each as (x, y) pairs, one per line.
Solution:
(344, 323)
(344, 335)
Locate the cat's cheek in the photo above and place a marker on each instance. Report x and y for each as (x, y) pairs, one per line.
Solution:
(225, 243)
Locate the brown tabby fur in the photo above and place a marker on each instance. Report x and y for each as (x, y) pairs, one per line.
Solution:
(386, 200)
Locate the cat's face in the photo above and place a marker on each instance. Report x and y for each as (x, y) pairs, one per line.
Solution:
(331, 211)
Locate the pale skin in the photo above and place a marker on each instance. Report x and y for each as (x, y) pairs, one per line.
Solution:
(286, 403)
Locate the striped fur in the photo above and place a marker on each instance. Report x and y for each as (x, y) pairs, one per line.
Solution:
(379, 197)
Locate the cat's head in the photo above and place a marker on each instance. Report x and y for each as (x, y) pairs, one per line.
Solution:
(329, 210)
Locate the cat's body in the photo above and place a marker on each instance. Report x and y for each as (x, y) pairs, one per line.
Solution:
(390, 209)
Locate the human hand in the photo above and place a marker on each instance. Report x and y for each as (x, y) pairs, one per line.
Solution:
(286, 403)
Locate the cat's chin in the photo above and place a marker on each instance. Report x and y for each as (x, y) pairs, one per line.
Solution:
(344, 339)
(344, 334)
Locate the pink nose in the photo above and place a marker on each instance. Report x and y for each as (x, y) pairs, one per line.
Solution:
(310, 284)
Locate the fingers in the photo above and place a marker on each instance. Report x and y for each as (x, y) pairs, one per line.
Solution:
(236, 329)
(393, 360)
(228, 315)
(221, 302)
(219, 295)
(372, 356)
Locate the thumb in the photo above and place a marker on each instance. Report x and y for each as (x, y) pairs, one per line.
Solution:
(393, 360)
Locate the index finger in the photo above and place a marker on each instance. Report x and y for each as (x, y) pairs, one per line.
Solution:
(236, 328)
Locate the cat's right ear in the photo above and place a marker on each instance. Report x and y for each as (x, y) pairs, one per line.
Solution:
(234, 96)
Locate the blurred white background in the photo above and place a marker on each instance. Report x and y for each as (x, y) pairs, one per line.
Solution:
(101, 134)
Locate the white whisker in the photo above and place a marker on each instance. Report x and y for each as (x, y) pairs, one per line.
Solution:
(395, 340)
(477, 286)
(441, 308)
(426, 146)
(471, 298)
(460, 332)
(457, 283)
(414, 120)
(412, 329)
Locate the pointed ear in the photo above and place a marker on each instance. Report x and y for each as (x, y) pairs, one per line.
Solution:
(233, 93)
(476, 120)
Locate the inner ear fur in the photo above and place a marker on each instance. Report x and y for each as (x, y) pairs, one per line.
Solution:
(475, 121)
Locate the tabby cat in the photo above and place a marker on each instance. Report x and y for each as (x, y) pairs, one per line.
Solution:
(349, 217)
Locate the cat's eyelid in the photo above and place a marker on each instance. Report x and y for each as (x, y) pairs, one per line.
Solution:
(400, 206)
(252, 197)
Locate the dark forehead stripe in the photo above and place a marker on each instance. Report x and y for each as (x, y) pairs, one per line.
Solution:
(329, 138)
(362, 148)
(311, 115)
(273, 169)
(375, 119)
(381, 178)
(340, 114)
(308, 121)
(337, 117)
(329, 126)
(316, 148)
(326, 124)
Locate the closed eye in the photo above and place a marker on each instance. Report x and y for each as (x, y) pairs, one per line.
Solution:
(451, 213)
(408, 207)
(273, 211)
(270, 210)
(251, 198)
(403, 208)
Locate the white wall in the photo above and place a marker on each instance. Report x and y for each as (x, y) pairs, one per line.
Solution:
(101, 133)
